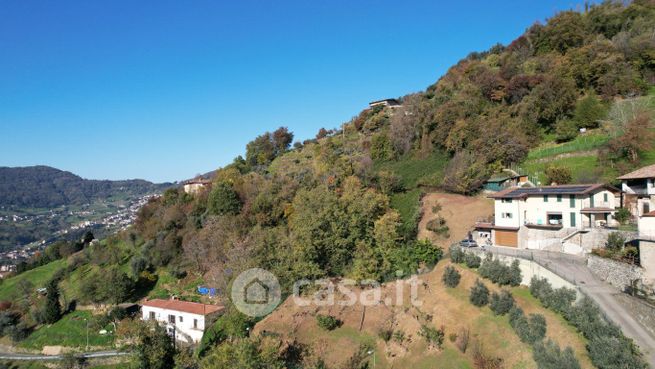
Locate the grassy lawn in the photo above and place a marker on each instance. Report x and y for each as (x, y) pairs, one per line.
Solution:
(167, 286)
(70, 331)
(582, 167)
(581, 143)
(415, 171)
(407, 204)
(37, 276)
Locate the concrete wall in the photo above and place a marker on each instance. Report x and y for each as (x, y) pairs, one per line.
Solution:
(647, 227)
(619, 275)
(530, 269)
(647, 260)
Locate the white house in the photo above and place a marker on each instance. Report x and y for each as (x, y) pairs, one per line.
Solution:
(549, 216)
(184, 320)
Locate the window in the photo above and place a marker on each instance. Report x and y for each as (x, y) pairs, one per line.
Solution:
(152, 315)
(591, 201)
(646, 208)
(572, 201)
(171, 319)
(506, 215)
(195, 323)
(180, 319)
(572, 219)
(506, 201)
(545, 198)
(554, 219)
(559, 198)
(605, 197)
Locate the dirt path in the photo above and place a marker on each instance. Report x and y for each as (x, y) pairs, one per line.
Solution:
(460, 212)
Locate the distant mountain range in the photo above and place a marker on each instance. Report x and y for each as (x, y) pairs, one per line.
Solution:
(46, 187)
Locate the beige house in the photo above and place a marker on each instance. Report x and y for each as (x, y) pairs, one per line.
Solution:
(639, 197)
(550, 217)
(639, 190)
(194, 186)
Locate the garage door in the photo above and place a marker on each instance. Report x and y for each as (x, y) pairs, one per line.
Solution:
(507, 238)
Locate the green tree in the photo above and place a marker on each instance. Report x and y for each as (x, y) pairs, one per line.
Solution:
(244, 354)
(501, 303)
(451, 277)
(223, 199)
(589, 111)
(153, 348)
(548, 355)
(479, 294)
(558, 174)
(566, 130)
(52, 308)
(381, 147)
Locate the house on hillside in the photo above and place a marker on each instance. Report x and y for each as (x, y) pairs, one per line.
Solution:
(569, 218)
(391, 103)
(194, 186)
(639, 190)
(505, 179)
(184, 320)
(639, 197)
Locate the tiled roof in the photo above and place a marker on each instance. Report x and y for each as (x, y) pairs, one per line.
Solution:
(184, 306)
(645, 172)
(576, 189)
(651, 214)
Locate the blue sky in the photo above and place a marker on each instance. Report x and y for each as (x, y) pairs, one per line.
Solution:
(163, 90)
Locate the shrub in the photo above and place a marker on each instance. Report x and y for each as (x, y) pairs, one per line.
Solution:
(451, 277)
(529, 329)
(548, 355)
(452, 337)
(615, 241)
(327, 322)
(559, 175)
(223, 199)
(515, 274)
(498, 272)
(623, 215)
(423, 251)
(438, 226)
(566, 130)
(479, 294)
(456, 254)
(462, 341)
(472, 260)
(399, 336)
(614, 352)
(432, 335)
(501, 303)
(385, 334)
(483, 360)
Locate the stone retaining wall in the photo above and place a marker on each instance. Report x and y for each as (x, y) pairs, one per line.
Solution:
(619, 275)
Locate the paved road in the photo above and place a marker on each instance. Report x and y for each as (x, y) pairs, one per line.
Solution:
(574, 269)
(86, 355)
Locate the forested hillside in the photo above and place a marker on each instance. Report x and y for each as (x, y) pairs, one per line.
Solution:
(46, 187)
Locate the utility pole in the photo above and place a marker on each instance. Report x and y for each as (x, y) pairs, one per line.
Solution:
(87, 334)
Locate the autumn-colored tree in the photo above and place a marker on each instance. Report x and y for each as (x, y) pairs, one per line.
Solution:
(637, 137)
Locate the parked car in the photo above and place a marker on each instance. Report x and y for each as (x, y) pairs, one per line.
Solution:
(468, 243)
